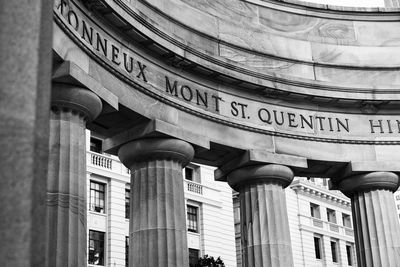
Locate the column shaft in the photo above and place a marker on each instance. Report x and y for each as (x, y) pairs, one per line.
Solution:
(25, 73)
(263, 215)
(157, 221)
(66, 181)
(265, 226)
(377, 229)
(66, 190)
(157, 227)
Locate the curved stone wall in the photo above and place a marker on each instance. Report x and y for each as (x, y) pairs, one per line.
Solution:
(275, 77)
(274, 45)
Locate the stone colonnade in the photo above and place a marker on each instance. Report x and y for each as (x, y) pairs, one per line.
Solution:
(157, 217)
(29, 238)
(264, 221)
(157, 222)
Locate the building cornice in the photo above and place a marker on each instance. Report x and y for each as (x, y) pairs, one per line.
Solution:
(308, 189)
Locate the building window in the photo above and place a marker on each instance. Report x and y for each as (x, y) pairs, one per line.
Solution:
(96, 248)
(346, 220)
(398, 197)
(398, 206)
(97, 193)
(189, 174)
(192, 173)
(334, 251)
(192, 224)
(193, 257)
(126, 251)
(331, 215)
(349, 252)
(95, 145)
(127, 203)
(318, 247)
(314, 209)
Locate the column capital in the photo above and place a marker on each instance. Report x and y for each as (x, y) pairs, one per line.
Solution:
(155, 148)
(269, 173)
(75, 98)
(369, 181)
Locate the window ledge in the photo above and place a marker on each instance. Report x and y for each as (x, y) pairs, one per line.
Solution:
(193, 233)
(99, 214)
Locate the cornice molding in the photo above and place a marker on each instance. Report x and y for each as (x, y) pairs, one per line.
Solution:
(310, 190)
(331, 11)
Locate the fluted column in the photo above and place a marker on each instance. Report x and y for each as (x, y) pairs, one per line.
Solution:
(263, 214)
(157, 226)
(377, 229)
(71, 108)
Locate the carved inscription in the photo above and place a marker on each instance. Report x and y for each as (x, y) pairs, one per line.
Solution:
(222, 104)
(261, 114)
(188, 94)
(115, 53)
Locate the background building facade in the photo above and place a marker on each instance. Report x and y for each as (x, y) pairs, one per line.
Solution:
(320, 225)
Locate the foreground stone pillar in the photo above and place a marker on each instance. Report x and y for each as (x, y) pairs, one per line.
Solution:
(377, 229)
(71, 108)
(157, 226)
(263, 215)
(25, 74)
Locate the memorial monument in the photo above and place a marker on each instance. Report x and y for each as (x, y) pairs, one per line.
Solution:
(263, 90)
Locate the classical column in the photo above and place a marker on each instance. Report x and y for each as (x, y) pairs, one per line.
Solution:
(377, 229)
(157, 226)
(25, 74)
(71, 108)
(263, 214)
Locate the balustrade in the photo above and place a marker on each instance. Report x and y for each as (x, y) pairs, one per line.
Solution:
(104, 161)
(101, 161)
(326, 226)
(194, 187)
(107, 162)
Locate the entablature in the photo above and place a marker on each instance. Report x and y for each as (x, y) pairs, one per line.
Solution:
(312, 77)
